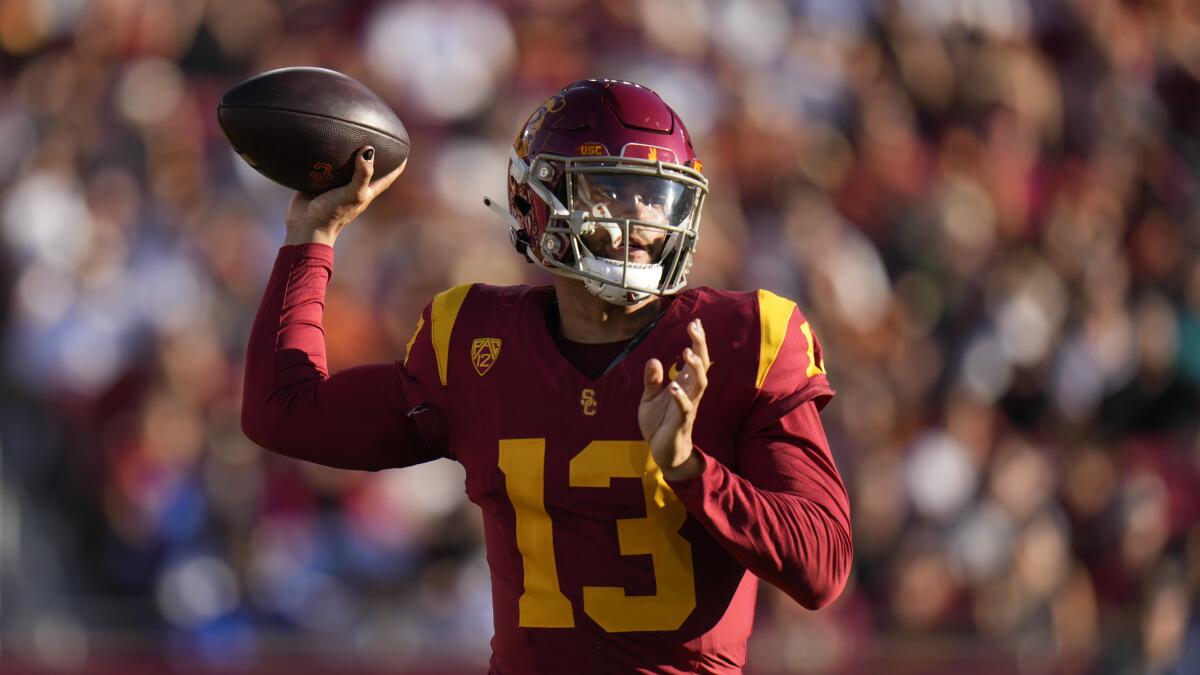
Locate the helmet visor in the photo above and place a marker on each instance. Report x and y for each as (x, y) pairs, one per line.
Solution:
(647, 200)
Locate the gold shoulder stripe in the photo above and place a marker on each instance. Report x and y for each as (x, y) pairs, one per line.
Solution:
(774, 312)
(445, 310)
(814, 368)
(413, 340)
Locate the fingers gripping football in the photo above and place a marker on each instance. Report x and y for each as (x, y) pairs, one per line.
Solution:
(358, 190)
(321, 218)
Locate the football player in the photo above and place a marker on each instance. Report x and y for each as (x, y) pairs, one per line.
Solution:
(642, 453)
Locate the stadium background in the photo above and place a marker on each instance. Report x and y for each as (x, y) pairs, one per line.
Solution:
(987, 208)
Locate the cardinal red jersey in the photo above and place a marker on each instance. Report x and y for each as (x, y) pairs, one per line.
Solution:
(596, 564)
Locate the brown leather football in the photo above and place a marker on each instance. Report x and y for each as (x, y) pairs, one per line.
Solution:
(301, 126)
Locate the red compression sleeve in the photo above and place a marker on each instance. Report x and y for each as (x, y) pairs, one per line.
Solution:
(784, 514)
(354, 419)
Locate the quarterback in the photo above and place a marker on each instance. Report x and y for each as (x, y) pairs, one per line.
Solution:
(642, 453)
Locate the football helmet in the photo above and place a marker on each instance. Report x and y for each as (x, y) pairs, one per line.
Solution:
(604, 186)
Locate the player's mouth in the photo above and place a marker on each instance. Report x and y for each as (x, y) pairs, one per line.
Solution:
(640, 251)
(643, 246)
(637, 254)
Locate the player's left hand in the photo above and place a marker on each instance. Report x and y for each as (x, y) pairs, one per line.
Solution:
(668, 409)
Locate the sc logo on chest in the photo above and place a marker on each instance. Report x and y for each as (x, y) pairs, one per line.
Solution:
(588, 402)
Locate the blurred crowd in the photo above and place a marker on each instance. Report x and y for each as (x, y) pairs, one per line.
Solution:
(988, 209)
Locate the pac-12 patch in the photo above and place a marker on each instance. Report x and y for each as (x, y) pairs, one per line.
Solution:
(484, 352)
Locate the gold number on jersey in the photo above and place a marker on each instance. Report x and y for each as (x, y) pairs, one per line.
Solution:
(542, 605)
(657, 534)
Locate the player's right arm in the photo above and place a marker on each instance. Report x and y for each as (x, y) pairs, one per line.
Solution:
(354, 419)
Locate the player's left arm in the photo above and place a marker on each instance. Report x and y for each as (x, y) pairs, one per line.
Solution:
(784, 513)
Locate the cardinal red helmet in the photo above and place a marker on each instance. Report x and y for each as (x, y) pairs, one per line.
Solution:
(605, 187)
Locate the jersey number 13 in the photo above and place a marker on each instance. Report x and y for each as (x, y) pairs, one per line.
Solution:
(543, 605)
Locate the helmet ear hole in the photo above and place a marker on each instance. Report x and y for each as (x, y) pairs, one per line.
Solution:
(522, 204)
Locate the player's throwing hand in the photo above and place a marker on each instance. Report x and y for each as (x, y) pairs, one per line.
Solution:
(667, 413)
(320, 219)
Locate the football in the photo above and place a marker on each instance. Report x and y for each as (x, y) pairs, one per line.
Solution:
(301, 126)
